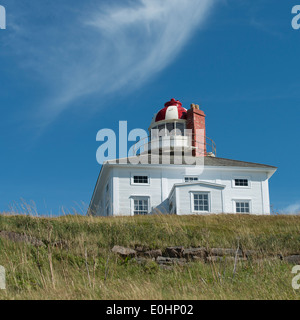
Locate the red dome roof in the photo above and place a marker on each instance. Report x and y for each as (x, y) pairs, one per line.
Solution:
(173, 110)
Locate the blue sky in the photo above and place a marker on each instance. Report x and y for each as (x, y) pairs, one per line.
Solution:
(69, 70)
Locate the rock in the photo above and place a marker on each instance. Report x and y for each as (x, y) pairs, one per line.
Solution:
(194, 253)
(164, 260)
(196, 258)
(170, 261)
(153, 253)
(225, 252)
(124, 252)
(140, 250)
(175, 252)
(295, 259)
(17, 237)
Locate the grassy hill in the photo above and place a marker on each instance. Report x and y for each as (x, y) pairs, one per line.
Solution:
(70, 257)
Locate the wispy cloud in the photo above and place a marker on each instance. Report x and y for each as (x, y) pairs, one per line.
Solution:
(102, 49)
(292, 209)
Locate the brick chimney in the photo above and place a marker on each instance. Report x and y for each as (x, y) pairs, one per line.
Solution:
(196, 123)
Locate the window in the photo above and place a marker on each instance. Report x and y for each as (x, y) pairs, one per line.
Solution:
(242, 206)
(190, 179)
(179, 129)
(168, 129)
(140, 179)
(201, 202)
(140, 206)
(161, 130)
(241, 182)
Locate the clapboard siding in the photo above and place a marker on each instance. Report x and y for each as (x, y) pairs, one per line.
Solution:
(164, 178)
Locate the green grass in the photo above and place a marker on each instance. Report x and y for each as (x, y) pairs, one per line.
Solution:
(86, 268)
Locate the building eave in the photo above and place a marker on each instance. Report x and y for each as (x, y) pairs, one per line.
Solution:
(205, 183)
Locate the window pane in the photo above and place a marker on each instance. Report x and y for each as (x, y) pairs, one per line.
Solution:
(141, 206)
(201, 202)
(162, 131)
(170, 128)
(140, 179)
(154, 133)
(190, 179)
(243, 207)
(180, 129)
(241, 182)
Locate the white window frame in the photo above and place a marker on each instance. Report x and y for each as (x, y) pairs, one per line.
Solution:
(245, 201)
(193, 202)
(241, 178)
(139, 175)
(139, 197)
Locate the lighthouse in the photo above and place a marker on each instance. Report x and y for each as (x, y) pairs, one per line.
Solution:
(177, 130)
(146, 184)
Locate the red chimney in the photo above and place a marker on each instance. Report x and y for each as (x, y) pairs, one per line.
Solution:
(196, 122)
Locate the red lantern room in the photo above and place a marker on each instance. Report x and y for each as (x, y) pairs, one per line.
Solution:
(173, 121)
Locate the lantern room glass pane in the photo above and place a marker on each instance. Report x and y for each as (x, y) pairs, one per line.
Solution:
(179, 129)
(162, 130)
(170, 129)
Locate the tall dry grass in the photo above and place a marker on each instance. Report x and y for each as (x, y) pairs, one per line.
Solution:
(81, 265)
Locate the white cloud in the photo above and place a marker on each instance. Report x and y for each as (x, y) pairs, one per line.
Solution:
(103, 49)
(291, 209)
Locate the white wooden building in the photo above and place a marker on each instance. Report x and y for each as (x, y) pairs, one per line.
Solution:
(146, 184)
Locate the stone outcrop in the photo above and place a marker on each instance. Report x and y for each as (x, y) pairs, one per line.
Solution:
(124, 252)
(18, 237)
(174, 252)
(195, 254)
(153, 253)
(180, 256)
(294, 259)
(220, 252)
